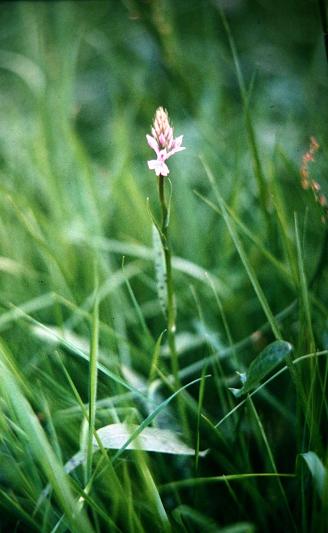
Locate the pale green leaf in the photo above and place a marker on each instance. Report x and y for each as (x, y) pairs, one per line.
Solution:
(318, 471)
(114, 436)
(266, 361)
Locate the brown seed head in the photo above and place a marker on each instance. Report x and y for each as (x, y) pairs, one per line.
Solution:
(307, 182)
(314, 146)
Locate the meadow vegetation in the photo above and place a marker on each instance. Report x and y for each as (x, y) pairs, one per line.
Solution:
(232, 435)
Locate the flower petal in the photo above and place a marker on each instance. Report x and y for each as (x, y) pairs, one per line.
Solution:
(178, 141)
(152, 143)
(162, 139)
(176, 146)
(159, 166)
(153, 164)
(179, 149)
(162, 155)
(164, 169)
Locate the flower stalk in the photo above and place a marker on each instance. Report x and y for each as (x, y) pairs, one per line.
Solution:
(165, 145)
(171, 308)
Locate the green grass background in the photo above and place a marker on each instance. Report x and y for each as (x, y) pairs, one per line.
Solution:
(79, 85)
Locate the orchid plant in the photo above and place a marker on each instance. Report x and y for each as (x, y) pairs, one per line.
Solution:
(164, 144)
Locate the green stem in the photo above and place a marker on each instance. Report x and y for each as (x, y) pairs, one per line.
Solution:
(171, 312)
(93, 377)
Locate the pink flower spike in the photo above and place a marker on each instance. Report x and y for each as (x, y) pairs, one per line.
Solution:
(162, 142)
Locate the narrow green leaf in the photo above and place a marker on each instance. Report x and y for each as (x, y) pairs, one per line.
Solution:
(41, 450)
(243, 256)
(93, 375)
(303, 288)
(252, 236)
(155, 357)
(52, 334)
(318, 471)
(239, 527)
(9, 502)
(199, 520)
(192, 482)
(136, 306)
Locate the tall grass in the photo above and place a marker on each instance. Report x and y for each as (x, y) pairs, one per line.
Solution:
(86, 379)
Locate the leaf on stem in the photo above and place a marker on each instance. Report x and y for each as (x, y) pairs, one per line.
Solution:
(160, 269)
(266, 361)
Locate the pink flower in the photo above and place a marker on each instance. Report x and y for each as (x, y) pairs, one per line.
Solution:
(162, 142)
(159, 164)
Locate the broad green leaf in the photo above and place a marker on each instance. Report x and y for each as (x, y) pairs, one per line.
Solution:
(150, 439)
(114, 436)
(266, 361)
(318, 471)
